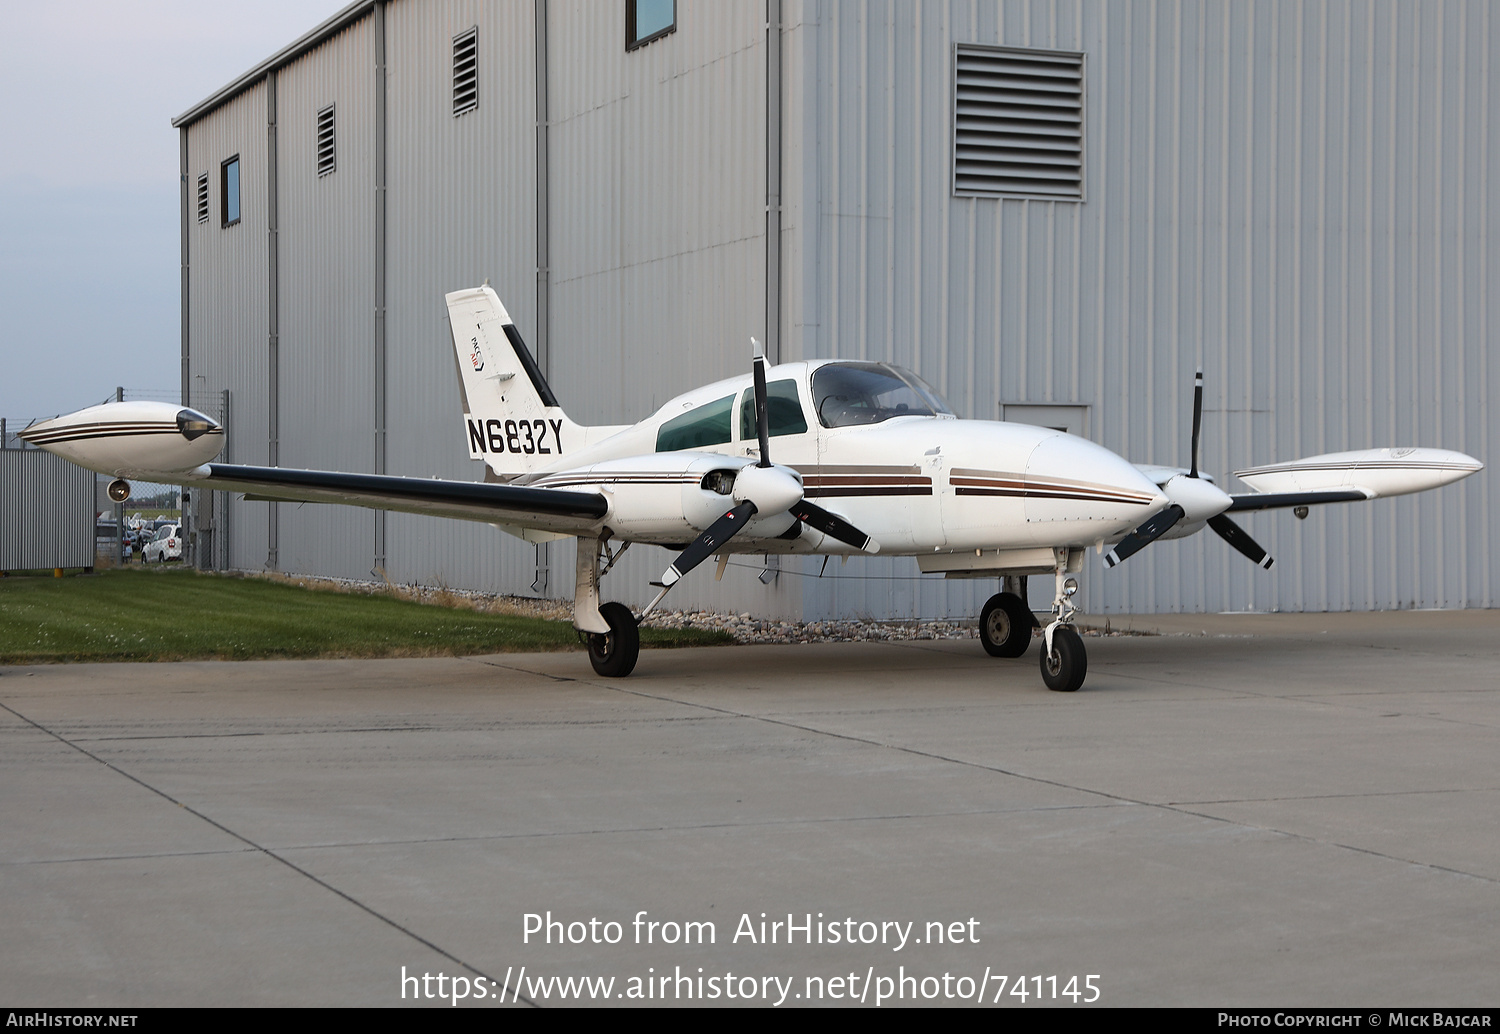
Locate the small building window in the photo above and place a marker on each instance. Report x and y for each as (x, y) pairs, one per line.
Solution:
(466, 71)
(1018, 124)
(325, 141)
(229, 191)
(203, 197)
(648, 20)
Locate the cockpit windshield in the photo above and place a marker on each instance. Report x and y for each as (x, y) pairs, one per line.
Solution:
(847, 394)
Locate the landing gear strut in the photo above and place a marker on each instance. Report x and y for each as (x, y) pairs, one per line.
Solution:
(1064, 661)
(613, 633)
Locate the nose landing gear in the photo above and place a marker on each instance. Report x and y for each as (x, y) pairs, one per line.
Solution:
(1064, 660)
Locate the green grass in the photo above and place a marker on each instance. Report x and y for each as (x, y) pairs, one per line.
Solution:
(176, 615)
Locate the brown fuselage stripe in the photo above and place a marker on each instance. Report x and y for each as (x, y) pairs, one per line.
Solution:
(1037, 494)
(1012, 486)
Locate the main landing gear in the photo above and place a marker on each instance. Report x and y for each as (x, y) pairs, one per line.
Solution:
(1006, 622)
(614, 653)
(613, 632)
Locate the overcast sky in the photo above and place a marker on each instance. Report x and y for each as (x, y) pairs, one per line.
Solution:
(89, 233)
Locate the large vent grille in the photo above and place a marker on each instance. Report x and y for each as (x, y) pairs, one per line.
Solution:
(203, 197)
(325, 141)
(1018, 127)
(466, 71)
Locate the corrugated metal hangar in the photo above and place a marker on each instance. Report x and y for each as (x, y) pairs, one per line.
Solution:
(1052, 211)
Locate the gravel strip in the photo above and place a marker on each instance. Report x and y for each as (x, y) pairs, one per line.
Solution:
(743, 627)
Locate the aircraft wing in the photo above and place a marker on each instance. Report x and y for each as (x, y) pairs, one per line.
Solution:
(541, 508)
(1280, 500)
(1344, 477)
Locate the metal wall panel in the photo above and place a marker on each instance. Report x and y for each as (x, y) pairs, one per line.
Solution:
(228, 299)
(658, 199)
(461, 208)
(326, 287)
(46, 511)
(1295, 195)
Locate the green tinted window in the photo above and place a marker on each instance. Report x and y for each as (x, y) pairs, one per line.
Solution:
(783, 411)
(697, 428)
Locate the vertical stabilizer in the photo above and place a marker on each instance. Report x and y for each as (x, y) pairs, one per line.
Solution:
(511, 419)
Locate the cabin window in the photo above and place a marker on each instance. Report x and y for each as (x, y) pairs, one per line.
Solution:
(783, 411)
(697, 428)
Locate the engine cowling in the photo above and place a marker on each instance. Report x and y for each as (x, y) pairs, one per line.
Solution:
(672, 497)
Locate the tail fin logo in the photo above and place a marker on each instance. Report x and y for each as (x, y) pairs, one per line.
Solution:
(476, 357)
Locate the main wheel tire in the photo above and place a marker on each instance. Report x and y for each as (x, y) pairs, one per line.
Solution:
(1005, 625)
(1064, 668)
(614, 653)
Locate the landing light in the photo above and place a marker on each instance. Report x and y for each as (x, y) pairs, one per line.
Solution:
(1070, 586)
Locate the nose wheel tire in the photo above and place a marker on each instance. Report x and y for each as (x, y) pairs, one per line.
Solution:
(1005, 625)
(614, 653)
(1064, 668)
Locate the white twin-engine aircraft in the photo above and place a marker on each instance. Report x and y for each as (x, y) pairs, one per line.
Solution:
(868, 458)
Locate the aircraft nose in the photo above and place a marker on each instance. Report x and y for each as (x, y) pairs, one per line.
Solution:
(1072, 479)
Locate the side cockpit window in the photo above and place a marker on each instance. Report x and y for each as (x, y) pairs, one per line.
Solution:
(848, 394)
(697, 428)
(783, 411)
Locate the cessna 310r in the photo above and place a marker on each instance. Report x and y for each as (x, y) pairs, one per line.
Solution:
(868, 458)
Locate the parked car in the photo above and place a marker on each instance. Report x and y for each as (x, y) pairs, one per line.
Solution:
(165, 545)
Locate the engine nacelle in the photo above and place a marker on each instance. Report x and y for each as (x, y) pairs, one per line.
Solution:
(669, 498)
(131, 439)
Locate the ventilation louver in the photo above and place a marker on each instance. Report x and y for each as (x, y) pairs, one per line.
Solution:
(466, 71)
(203, 197)
(325, 141)
(1018, 124)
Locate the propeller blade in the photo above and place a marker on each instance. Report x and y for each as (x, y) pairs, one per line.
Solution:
(1233, 534)
(1143, 536)
(833, 525)
(703, 547)
(1197, 419)
(762, 426)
